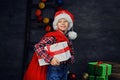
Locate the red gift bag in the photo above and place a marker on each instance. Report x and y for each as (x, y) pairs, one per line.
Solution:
(34, 71)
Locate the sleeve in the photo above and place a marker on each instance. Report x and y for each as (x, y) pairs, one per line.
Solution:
(39, 48)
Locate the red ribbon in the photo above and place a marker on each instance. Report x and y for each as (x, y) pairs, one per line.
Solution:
(58, 51)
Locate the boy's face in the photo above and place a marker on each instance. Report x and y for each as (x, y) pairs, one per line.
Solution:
(62, 24)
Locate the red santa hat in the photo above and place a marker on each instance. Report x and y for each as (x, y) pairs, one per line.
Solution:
(70, 18)
(63, 14)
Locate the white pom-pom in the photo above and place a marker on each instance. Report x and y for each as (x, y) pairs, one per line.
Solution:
(72, 35)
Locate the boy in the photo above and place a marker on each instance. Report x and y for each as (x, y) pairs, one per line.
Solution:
(63, 22)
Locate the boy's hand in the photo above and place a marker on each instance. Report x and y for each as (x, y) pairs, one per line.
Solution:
(55, 62)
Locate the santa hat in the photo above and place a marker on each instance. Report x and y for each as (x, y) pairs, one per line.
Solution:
(69, 17)
(63, 14)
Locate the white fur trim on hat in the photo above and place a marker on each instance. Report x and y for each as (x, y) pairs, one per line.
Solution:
(63, 15)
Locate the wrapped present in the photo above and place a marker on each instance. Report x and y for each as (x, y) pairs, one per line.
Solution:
(91, 77)
(99, 69)
(59, 50)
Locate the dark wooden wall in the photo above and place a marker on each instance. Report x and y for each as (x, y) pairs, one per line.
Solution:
(97, 23)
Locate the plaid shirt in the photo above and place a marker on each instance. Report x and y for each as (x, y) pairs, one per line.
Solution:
(39, 48)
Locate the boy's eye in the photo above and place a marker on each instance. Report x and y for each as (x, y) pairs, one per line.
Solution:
(62, 21)
(65, 21)
(59, 21)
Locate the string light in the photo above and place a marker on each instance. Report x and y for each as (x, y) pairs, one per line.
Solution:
(38, 12)
(41, 5)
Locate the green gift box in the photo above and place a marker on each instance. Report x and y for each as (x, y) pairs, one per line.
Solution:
(91, 77)
(99, 69)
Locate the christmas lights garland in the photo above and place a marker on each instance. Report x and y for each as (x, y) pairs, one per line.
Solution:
(46, 20)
